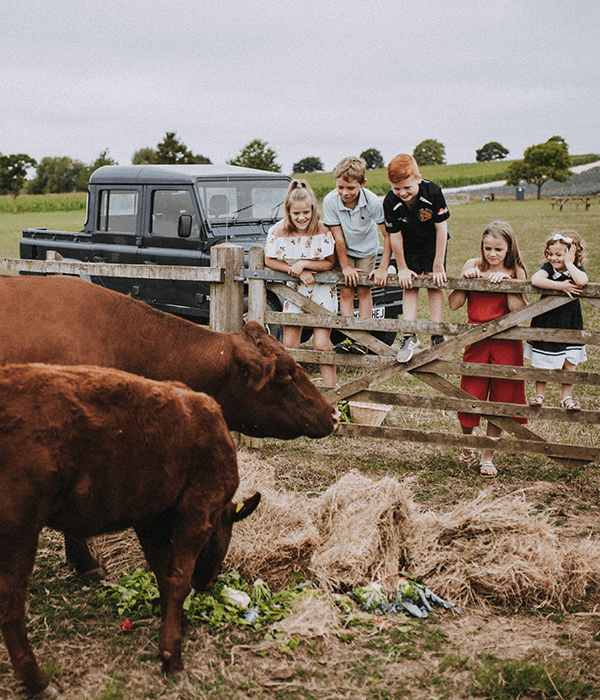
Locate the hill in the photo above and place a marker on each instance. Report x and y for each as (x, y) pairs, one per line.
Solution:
(458, 175)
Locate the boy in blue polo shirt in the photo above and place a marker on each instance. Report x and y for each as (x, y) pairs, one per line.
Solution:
(353, 214)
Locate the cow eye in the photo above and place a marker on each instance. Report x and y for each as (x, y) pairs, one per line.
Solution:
(282, 377)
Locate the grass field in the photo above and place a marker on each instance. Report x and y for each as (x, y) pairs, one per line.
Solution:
(493, 650)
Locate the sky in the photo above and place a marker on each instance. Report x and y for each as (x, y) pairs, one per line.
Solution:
(322, 78)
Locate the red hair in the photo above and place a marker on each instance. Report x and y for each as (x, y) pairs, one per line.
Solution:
(402, 167)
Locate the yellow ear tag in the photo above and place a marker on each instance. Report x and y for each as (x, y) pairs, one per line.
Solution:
(239, 507)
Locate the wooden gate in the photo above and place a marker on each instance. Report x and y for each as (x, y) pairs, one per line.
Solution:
(431, 365)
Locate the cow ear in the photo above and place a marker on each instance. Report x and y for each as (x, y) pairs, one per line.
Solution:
(246, 508)
(255, 331)
(257, 362)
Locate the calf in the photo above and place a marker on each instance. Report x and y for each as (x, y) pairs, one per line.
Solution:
(88, 450)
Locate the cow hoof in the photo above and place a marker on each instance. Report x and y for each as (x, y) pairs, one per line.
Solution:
(48, 693)
(97, 574)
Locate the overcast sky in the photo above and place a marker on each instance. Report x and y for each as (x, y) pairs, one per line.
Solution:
(325, 78)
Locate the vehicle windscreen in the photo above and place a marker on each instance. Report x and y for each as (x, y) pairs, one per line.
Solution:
(237, 201)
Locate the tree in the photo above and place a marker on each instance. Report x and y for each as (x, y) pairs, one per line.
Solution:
(60, 174)
(308, 165)
(171, 151)
(373, 158)
(491, 151)
(84, 176)
(13, 171)
(542, 162)
(430, 152)
(257, 154)
(145, 156)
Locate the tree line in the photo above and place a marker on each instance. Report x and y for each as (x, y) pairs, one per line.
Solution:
(541, 162)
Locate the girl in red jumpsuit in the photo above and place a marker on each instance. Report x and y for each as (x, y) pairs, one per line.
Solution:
(500, 259)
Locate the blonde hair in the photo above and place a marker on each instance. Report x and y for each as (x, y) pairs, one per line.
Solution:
(556, 236)
(351, 168)
(503, 231)
(300, 191)
(402, 167)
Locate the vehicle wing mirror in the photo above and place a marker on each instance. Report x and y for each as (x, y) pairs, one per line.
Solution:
(184, 227)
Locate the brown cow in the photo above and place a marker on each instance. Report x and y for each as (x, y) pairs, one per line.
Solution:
(67, 321)
(88, 450)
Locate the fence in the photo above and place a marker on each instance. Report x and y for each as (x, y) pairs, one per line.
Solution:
(429, 366)
(228, 277)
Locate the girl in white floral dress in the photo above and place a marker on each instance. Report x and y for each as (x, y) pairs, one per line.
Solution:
(301, 244)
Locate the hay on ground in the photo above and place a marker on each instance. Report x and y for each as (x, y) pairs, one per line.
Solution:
(487, 550)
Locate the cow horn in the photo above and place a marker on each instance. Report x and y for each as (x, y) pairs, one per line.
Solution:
(246, 508)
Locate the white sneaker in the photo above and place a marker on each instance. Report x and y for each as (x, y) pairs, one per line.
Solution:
(407, 347)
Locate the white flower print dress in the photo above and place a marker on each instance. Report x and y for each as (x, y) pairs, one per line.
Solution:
(293, 248)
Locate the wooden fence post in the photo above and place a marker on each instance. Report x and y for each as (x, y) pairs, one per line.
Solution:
(227, 299)
(257, 289)
(257, 302)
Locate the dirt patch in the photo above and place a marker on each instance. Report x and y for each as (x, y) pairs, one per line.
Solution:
(515, 560)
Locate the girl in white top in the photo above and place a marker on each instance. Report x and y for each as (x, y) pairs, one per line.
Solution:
(301, 244)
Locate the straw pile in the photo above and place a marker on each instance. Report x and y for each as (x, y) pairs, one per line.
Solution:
(488, 550)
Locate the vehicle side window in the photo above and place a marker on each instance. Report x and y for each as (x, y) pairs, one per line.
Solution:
(167, 207)
(118, 211)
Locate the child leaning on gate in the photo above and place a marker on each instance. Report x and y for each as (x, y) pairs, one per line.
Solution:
(301, 245)
(353, 214)
(563, 270)
(415, 218)
(499, 259)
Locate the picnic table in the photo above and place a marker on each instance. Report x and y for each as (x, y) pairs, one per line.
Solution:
(562, 200)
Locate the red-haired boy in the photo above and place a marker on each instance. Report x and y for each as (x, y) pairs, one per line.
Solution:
(415, 217)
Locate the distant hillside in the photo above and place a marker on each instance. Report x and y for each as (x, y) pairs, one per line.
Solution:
(459, 175)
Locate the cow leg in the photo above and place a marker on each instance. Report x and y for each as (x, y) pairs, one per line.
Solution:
(80, 558)
(16, 565)
(172, 553)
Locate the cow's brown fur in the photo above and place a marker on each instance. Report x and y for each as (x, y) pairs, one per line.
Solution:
(67, 321)
(89, 450)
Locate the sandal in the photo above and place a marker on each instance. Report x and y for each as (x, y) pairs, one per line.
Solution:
(467, 456)
(570, 404)
(487, 469)
(537, 400)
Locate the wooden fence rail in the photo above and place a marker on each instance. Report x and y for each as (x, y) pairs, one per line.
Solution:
(228, 278)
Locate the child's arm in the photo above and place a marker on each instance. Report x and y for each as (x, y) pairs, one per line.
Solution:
(380, 275)
(351, 276)
(578, 276)
(517, 301)
(569, 287)
(441, 241)
(457, 297)
(404, 274)
(303, 269)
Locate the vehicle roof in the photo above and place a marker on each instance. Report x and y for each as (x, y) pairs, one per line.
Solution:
(176, 174)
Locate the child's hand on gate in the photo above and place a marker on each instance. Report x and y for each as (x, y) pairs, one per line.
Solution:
(570, 288)
(405, 278)
(351, 276)
(379, 277)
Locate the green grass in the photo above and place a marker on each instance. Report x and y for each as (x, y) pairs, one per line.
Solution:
(11, 226)
(68, 201)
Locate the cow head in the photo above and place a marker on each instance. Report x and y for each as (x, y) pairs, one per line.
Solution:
(279, 399)
(211, 557)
